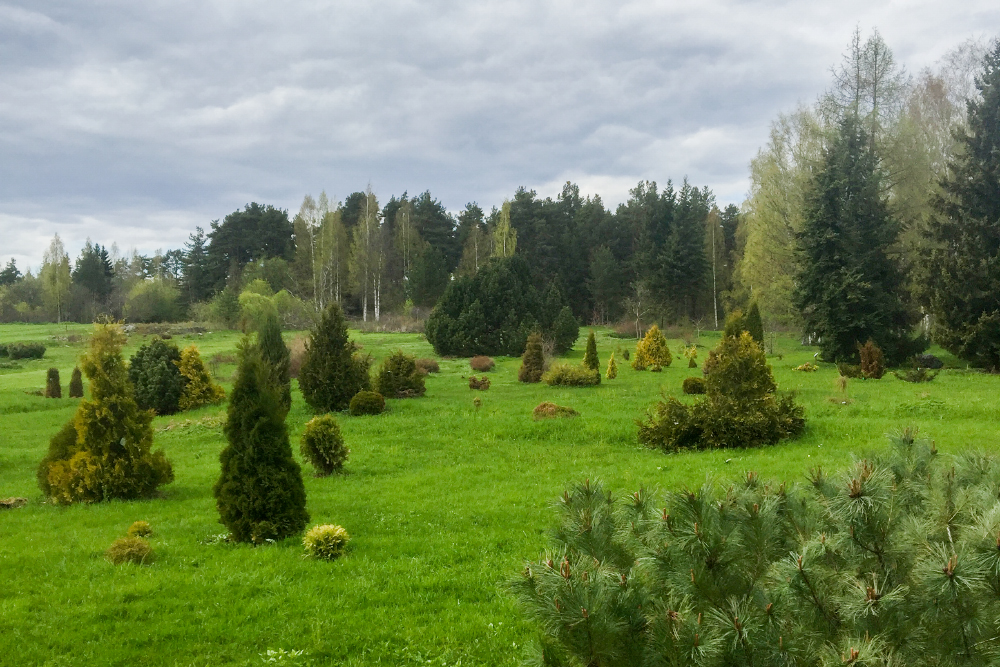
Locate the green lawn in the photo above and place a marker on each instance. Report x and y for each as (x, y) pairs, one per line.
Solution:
(443, 502)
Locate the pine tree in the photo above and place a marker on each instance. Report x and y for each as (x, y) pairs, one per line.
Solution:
(199, 388)
(963, 293)
(532, 361)
(76, 384)
(276, 355)
(259, 494)
(590, 359)
(754, 324)
(849, 288)
(332, 371)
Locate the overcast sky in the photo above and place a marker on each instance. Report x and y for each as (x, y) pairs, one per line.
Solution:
(133, 122)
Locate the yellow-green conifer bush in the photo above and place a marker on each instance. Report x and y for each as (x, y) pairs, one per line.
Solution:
(110, 456)
(199, 389)
(612, 372)
(652, 350)
(326, 542)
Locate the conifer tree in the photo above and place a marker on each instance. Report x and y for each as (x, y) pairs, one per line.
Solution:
(612, 372)
(532, 361)
(590, 359)
(53, 389)
(259, 494)
(76, 384)
(964, 290)
(199, 388)
(754, 324)
(332, 371)
(154, 373)
(276, 355)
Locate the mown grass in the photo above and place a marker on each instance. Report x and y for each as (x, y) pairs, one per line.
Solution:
(443, 502)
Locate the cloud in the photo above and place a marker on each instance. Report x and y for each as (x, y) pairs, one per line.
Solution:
(136, 121)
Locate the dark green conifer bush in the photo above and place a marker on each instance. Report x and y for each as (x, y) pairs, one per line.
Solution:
(323, 445)
(53, 388)
(76, 384)
(893, 562)
(25, 350)
(398, 377)
(367, 403)
(694, 385)
(259, 494)
(155, 373)
(590, 358)
(754, 324)
(571, 375)
(916, 375)
(275, 353)
(565, 331)
(332, 370)
(532, 361)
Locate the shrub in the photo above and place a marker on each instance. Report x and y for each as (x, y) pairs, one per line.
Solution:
(754, 325)
(807, 368)
(109, 457)
(153, 301)
(25, 350)
(652, 350)
(481, 364)
(548, 410)
(53, 389)
(155, 374)
(259, 494)
(612, 371)
(332, 370)
(571, 376)
(275, 354)
(532, 361)
(565, 331)
(479, 383)
(656, 368)
(367, 403)
(296, 355)
(76, 384)
(736, 324)
(916, 375)
(398, 377)
(428, 366)
(872, 361)
(692, 363)
(199, 388)
(694, 385)
(326, 542)
(927, 361)
(849, 370)
(140, 529)
(323, 445)
(590, 359)
(130, 550)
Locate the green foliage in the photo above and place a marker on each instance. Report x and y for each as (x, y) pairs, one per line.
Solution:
(893, 562)
(323, 445)
(549, 410)
(62, 446)
(565, 331)
(155, 374)
(110, 456)
(326, 542)
(276, 355)
(741, 409)
(259, 494)
(130, 550)
(481, 384)
(916, 375)
(736, 324)
(140, 529)
(652, 350)
(532, 361)
(612, 371)
(24, 350)
(570, 375)
(428, 366)
(226, 307)
(849, 370)
(332, 370)
(153, 301)
(53, 389)
(199, 388)
(754, 324)
(590, 359)
(398, 377)
(481, 363)
(367, 403)
(255, 308)
(872, 361)
(76, 384)
(694, 385)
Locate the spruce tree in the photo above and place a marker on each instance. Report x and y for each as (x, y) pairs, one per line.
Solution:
(332, 371)
(754, 324)
(590, 359)
(963, 292)
(849, 289)
(276, 355)
(260, 495)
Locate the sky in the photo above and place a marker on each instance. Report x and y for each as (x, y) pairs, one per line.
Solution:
(133, 122)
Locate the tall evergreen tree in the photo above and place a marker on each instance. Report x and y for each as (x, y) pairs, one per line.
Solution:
(277, 357)
(964, 290)
(10, 274)
(331, 371)
(849, 288)
(196, 282)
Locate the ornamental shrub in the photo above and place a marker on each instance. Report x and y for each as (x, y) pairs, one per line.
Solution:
(323, 445)
(367, 403)
(259, 494)
(754, 324)
(927, 361)
(549, 410)
(570, 375)
(479, 383)
(25, 350)
(849, 370)
(590, 359)
(76, 384)
(53, 389)
(398, 377)
(481, 364)
(736, 324)
(652, 350)
(692, 363)
(428, 366)
(872, 361)
(275, 354)
(612, 371)
(532, 361)
(130, 550)
(332, 370)
(694, 385)
(157, 379)
(916, 375)
(326, 542)
(140, 529)
(199, 388)
(109, 457)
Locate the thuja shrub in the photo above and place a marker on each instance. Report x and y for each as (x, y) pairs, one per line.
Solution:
(199, 388)
(482, 383)
(53, 388)
(157, 379)
(891, 562)
(332, 369)
(590, 358)
(428, 366)
(399, 377)
(612, 371)
(76, 384)
(140, 529)
(130, 550)
(532, 361)
(754, 324)
(367, 403)
(276, 356)
(326, 542)
(481, 363)
(652, 350)
(323, 445)
(741, 408)
(694, 385)
(571, 376)
(872, 361)
(104, 453)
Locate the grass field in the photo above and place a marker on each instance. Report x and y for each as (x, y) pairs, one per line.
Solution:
(443, 502)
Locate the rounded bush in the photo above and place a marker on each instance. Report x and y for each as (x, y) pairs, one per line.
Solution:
(481, 363)
(694, 385)
(549, 410)
(325, 542)
(398, 377)
(571, 376)
(323, 445)
(428, 366)
(367, 403)
(130, 550)
(652, 351)
(140, 529)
